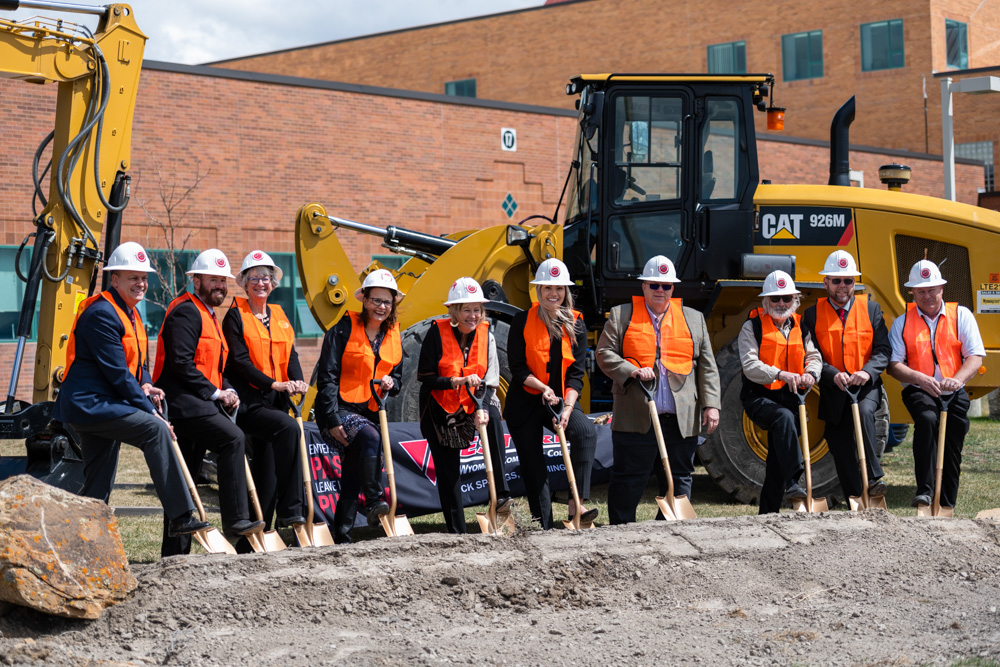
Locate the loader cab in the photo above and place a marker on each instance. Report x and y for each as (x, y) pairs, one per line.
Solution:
(667, 165)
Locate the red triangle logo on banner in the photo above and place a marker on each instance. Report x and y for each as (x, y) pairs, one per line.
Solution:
(420, 452)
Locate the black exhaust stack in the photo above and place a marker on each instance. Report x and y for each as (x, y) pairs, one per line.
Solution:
(840, 154)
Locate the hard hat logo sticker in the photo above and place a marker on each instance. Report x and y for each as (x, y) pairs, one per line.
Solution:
(141, 256)
(781, 283)
(663, 269)
(258, 255)
(843, 262)
(554, 271)
(925, 273)
(220, 262)
(472, 289)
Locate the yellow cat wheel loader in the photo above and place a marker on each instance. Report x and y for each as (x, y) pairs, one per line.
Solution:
(667, 164)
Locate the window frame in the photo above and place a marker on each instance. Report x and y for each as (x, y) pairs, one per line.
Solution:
(735, 48)
(867, 53)
(963, 28)
(810, 35)
(460, 88)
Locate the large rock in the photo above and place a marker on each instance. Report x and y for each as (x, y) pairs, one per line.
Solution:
(59, 553)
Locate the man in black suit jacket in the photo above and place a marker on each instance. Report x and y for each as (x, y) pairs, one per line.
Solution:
(190, 357)
(855, 346)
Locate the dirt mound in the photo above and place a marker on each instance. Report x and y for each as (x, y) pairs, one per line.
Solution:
(831, 589)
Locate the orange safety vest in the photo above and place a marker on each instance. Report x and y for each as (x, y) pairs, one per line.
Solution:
(945, 350)
(787, 354)
(538, 344)
(676, 346)
(357, 364)
(133, 341)
(210, 355)
(847, 346)
(271, 349)
(453, 364)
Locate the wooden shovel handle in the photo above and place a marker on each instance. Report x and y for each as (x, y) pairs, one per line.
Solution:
(862, 460)
(804, 443)
(942, 428)
(390, 471)
(570, 475)
(252, 489)
(662, 447)
(187, 478)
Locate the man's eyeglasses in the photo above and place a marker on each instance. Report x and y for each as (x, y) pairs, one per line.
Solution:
(660, 286)
(788, 298)
(846, 281)
(254, 280)
(380, 303)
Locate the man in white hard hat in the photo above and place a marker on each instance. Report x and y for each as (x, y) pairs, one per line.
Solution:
(936, 349)
(190, 358)
(778, 360)
(851, 335)
(656, 339)
(107, 395)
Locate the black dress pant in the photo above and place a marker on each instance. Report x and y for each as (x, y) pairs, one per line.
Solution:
(636, 454)
(447, 467)
(216, 433)
(840, 438)
(926, 413)
(776, 411)
(277, 472)
(526, 430)
(360, 471)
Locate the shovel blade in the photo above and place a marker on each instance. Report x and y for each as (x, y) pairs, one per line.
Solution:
(504, 524)
(507, 526)
(877, 502)
(820, 505)
(665, 509)
(925, 510)
(857, 503)
(799, 505)
(946, 513)
(302, 535)
(396, 526)
(321, 536)
(256, 542)
(683, 508)
(212, 541)
(990, 514)
(272, 541)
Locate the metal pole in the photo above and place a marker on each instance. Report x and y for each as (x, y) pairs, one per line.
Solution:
(99, 10)
(947, 139)
(12, 390)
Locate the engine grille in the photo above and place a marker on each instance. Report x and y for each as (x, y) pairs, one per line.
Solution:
(954, 269)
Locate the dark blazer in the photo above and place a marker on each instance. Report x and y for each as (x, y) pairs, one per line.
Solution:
(833, 401)
(189, 393)
(253, 386)
(99, 385)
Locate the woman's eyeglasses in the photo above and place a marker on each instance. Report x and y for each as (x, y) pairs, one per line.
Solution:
(265, 280)
(788, 298)
(380, 303)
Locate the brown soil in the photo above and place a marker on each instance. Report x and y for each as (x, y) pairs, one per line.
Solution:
(821, 589)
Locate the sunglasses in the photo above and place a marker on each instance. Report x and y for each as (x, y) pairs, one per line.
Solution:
(661, 286)
(845, 281)
(782, 299)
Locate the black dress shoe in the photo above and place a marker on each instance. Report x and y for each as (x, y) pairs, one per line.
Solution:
(877, 488)
(242, 527)
(504, 504)
(290, 521)
(186, 525)
(378, 509)
(795, 492)
(588, 516)
(922, 499)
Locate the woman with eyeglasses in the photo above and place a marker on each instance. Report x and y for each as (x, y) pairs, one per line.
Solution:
(359, 348)
(264, 369)
(459, 353)
(546, 349)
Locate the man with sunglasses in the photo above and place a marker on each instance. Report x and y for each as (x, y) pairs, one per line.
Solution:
(778, 359)
(852, 337)
(656, 339)
(936, 349)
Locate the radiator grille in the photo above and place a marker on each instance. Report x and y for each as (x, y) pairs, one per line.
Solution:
(952, 259)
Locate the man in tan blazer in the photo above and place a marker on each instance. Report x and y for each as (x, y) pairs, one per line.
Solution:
(655, 338)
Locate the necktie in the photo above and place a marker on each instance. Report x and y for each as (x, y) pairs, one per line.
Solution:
(843, 315)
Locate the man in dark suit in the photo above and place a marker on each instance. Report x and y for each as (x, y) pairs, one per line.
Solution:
(851, 335)
(190, 358)
(688, 396)
(107, 395)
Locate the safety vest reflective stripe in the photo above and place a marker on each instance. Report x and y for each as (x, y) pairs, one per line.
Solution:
(676, 346)
(787, 354)
(212, 351)
(357, 363)
(270, 349)
(133, 340)
(847, 346)
(538, 344)
(452, 364)
(945, 349)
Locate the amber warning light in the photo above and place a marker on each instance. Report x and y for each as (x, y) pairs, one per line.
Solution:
(776, 119)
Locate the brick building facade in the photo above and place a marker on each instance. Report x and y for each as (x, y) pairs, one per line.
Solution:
(527, 56)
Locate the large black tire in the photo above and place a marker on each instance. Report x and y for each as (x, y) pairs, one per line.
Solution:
(733, 463)
(405, 406)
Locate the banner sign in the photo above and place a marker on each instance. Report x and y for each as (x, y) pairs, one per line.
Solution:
(416, 478)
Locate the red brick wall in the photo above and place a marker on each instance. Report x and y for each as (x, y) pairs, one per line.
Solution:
(264, 150)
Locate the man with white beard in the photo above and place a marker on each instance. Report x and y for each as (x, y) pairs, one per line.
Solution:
(778, 360)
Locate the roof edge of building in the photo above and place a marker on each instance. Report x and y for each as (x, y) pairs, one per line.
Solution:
(964, 72)
(861, 148)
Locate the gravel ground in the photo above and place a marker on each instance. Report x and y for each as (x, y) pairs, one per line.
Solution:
(838, 588)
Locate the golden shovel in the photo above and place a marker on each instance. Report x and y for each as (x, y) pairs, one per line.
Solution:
(935, 509)
(490, 522)
(394, 525)
(260, 540)
(809, 504)
(210, 539)
(672, 507)
(308, 534)
(865, 502)
(575, 522)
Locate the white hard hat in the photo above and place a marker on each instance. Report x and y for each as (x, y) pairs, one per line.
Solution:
(778, 283)
(552, 272)
(260, 258)
(840, 264)
(378, 278)
(129, 256)
(212, 262)
(925, 273)
(659, 269)
(465, 290)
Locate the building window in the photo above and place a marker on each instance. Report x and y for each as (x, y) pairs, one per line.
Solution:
(12, 293)
(802, 55)
(392, 262)
(957, 40)
(463, 88)
(728, 58)
(882, 45)
(164, 287)
(291, 297)
(979, 150)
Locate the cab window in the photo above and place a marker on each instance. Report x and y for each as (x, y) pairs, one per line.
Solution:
(647, 149)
